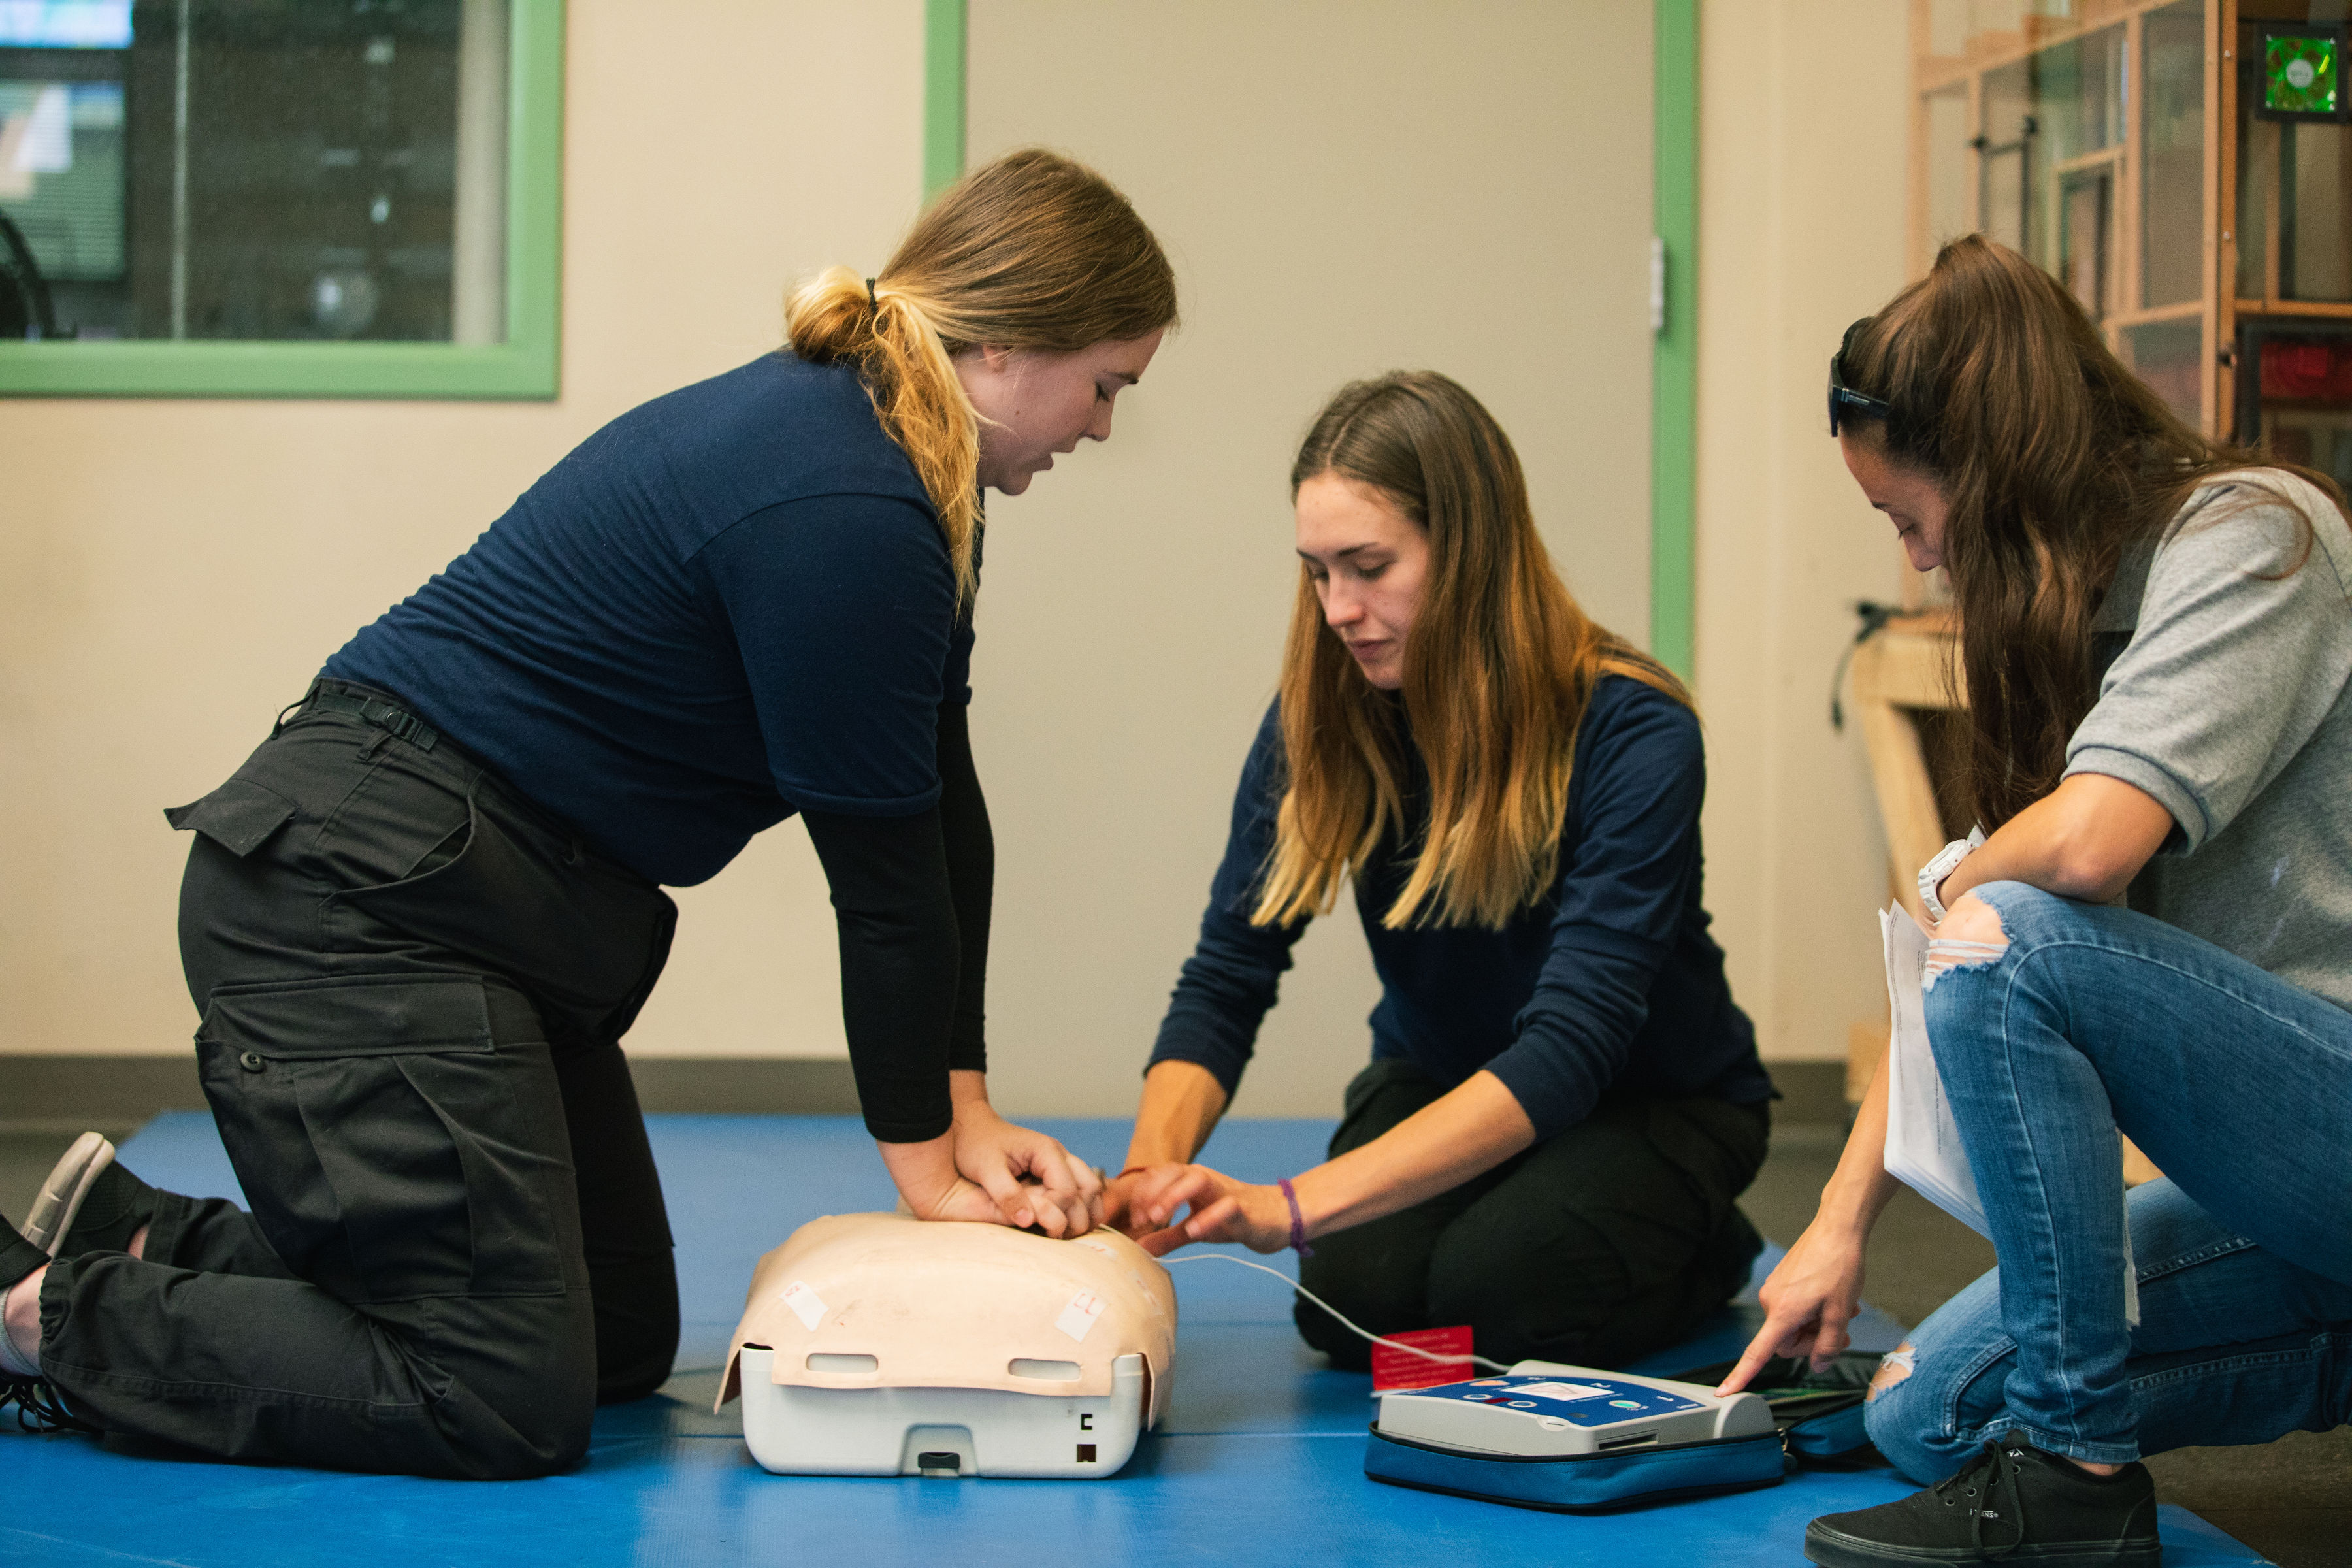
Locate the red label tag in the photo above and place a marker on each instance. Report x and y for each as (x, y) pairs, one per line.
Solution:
(1394, 1368)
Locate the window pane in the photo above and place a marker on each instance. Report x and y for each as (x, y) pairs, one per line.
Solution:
(2172, 174)
(2085, 203)
(1951, 206)
(265, 170)
(2008, 142)
(2314, 259)
(2054, 135)
(2167, 355)
(2295, 394)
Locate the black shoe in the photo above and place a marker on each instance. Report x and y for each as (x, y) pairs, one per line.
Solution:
(115, 1207)
(2011, 1503)
(37, 1409)
(70, 1182)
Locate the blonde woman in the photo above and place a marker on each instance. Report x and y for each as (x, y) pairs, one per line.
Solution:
(1563, 1100)
(419, 918)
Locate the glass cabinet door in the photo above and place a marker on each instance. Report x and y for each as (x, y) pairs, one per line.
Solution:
(2184, 168)
(2076, 132)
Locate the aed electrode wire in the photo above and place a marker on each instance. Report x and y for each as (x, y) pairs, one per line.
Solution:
(1366, 1333)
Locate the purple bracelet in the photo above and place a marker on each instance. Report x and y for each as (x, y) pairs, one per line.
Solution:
(1297, 1222)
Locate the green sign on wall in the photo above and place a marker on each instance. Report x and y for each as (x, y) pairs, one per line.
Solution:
(2303, 74)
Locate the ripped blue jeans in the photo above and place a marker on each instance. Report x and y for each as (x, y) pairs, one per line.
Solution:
(2239, 1086)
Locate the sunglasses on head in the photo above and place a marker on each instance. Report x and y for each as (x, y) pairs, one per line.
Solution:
(1844, 401)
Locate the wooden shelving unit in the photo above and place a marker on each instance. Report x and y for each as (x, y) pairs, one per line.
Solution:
(2134, 147)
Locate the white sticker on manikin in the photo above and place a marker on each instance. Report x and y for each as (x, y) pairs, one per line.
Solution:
(806, 1305)
(1080, 1314)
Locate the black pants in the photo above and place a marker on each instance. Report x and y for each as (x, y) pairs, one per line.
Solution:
(1609, 1241)
(414, 986)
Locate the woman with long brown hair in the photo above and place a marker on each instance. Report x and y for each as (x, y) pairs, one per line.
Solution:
(1563, 1100)
(2156, 643)
(419, 919)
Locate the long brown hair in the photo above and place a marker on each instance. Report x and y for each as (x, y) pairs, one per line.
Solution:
(2054, 460)
(1498, 667)
(1033, 252)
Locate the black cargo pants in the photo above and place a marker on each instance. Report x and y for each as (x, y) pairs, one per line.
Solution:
(1602, 1243)
(414, 986)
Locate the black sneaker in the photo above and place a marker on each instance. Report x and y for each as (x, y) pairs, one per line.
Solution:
(37, 1409)
(2011, 1503)
(71, 1183)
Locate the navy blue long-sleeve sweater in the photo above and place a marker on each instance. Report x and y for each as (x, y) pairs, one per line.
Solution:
(1608, 981)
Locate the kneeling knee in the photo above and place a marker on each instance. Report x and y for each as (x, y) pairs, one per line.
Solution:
(532, 1417)
(1970, 936)
(523, 1444)
(1897, 1416)
(1973, 920)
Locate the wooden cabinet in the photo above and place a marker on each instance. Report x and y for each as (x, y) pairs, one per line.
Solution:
(2184, 166)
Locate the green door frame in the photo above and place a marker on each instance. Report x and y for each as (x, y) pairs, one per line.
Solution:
(943, 93)
(1674, 355)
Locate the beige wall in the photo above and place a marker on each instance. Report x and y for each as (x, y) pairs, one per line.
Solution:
(1347, 186)
(1802, 146)
(173, 571)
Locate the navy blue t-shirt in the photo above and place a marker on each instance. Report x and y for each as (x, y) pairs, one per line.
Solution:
(1609, 980)
(728, 605)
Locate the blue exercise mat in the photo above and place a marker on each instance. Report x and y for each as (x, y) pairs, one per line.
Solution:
(1260, 1458)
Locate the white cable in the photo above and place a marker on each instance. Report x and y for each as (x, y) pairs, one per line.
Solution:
(1367, 1333)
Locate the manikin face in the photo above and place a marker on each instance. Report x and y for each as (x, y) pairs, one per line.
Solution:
(1369, 563)
(1906, 495)
(1033, 404)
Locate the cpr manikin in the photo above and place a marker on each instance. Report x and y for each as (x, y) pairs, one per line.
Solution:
(879, 1344)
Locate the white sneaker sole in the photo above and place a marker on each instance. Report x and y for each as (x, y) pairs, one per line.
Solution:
(62, 1196)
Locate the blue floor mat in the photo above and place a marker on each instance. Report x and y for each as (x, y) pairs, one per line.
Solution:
(1260, 1458)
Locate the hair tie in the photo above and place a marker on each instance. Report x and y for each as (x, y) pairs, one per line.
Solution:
(871, 302)
(1297, 1222)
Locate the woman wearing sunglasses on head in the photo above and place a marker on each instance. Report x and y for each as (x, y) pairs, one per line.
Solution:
(2156, 642)
(1563, 1100)
(420, 919)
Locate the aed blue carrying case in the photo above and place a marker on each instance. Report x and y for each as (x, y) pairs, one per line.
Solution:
(1443, 1441)
(1580, 1483)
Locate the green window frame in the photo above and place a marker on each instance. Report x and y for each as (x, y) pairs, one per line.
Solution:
(528, 364)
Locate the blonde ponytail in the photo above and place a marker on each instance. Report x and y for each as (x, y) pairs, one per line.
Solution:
(912, 381)
(1033, 252)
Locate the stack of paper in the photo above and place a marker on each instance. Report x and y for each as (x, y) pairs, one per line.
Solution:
(1923, 1141)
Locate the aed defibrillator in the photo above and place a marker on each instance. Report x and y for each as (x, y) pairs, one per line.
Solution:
(1577, 1440)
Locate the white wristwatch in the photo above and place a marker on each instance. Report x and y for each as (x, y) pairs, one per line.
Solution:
(1932, 875)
